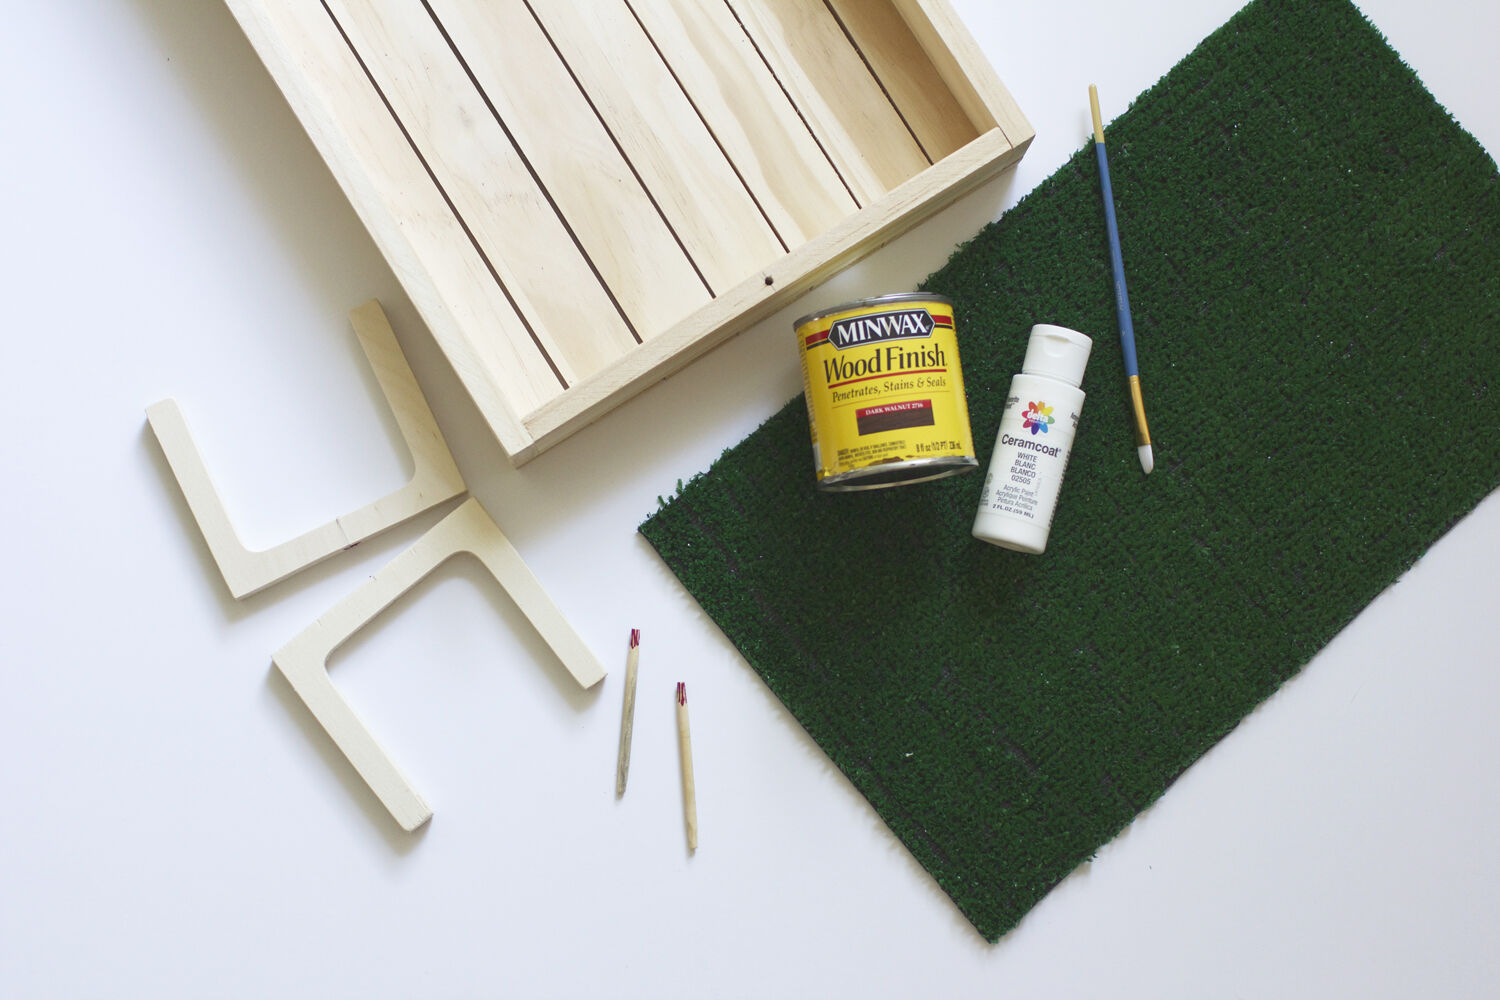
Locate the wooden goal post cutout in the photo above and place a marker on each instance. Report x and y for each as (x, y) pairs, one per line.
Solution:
(304, 660)
(435, 477)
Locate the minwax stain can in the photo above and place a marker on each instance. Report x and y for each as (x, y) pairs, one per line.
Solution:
(885, 394)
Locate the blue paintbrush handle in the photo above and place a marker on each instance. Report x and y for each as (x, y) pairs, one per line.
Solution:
(1122, 298)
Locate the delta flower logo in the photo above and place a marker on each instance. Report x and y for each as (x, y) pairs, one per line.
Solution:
(1037, 418)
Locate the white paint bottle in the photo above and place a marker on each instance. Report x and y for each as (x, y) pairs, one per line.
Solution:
(1034, 441)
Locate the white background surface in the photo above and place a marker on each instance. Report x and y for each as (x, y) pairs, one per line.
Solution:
(174, 824)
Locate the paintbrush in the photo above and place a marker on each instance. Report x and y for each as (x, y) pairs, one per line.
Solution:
(1122, 300)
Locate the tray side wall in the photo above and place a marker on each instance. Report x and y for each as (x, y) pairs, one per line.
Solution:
(791, 277)
(432, 258)
(976, 87)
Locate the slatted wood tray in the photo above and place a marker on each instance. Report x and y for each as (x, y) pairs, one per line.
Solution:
(581, 196)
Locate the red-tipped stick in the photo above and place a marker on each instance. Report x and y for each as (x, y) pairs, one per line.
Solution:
(685, 749)
(627, 714)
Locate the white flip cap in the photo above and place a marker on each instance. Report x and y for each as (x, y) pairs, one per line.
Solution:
(1057, 352)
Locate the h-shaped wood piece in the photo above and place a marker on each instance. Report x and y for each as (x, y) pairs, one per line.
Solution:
(304, 660)
(435, 477)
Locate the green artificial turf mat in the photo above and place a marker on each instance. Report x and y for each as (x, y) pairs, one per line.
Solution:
(1313, 252)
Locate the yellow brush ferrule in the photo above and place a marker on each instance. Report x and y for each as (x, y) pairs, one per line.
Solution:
(1138, 405)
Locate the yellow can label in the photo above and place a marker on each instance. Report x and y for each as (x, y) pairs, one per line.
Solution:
(885, 393)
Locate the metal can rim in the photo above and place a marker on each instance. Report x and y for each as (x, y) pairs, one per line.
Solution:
(923, 470)
(872, 301)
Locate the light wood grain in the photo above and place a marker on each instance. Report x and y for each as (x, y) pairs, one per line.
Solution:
(442, 270)
(753, 300)
(567, 307)
(584, 174)
(304, 660)
(749, 114)
(835, 92)
(907, 75)
(692, 181)
(968, 75)
(435, 477)
(540, 374)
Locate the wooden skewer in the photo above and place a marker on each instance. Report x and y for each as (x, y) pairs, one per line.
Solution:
(685, 747)
(627, 718)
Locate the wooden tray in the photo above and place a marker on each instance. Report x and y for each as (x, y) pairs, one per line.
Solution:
(581, 196)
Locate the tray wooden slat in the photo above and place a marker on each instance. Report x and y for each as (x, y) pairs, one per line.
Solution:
(815, 261)
(583, 195)
(582, 173)
(649, 115)
(963, 68)
(569, 310)
(906, 73)
(749, 114)
(396, 197)
(840, 99)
